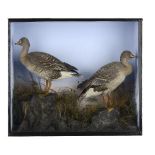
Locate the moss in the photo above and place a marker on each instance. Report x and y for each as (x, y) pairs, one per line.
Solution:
(122, 98)
(67, 107)
(21, 97)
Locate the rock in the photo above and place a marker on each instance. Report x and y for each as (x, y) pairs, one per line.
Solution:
(75, 125)
(62, 126)
(105, 120)
(41, 114)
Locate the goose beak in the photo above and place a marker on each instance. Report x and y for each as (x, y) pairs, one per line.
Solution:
(18, 43)
(132, 56)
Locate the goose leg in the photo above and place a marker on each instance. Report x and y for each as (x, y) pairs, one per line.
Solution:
(110, 108)
(46, 86)
(49, 85)
(108, 102)
(105, 100)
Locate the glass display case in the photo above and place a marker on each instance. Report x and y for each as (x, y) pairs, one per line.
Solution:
(75, 77)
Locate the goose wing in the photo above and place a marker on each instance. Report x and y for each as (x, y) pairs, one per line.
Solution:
(101, 78)
(47, 61)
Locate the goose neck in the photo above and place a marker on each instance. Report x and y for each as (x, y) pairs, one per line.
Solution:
(24, 51)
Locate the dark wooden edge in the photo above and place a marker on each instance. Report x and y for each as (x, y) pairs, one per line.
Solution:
(128, 133)
(9, 83)
(71, 19)
(140, 73)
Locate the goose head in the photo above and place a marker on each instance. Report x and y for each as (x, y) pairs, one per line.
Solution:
(126, 56)
(23, 42)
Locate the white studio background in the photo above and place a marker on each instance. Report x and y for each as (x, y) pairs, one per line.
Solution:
(81, 145)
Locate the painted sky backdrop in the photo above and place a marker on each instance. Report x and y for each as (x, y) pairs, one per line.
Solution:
(85, 45)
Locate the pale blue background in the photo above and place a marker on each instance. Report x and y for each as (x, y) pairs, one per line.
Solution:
(85, 45)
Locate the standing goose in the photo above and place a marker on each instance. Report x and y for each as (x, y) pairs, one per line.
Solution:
(44, 65)
(107, 79)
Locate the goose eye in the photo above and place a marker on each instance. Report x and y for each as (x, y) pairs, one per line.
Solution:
(20, 41)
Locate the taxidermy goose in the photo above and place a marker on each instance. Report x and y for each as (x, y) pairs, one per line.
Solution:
(107, 79)
(44, 65)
